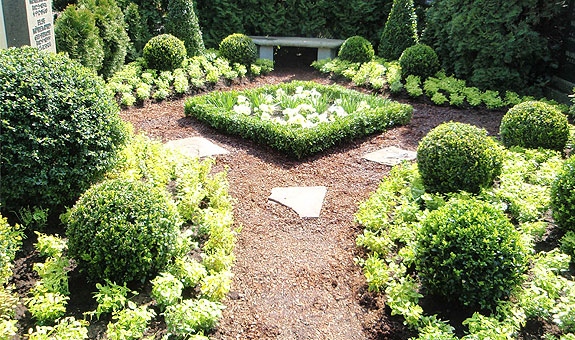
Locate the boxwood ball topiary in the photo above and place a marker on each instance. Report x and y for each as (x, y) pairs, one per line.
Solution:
(60, 129)
(457, 156)
(419, 60)
(122, 230)
(356, 49)
(469, 252)
(239, 48)
(563, 196)
(164, 52)
(535, 125)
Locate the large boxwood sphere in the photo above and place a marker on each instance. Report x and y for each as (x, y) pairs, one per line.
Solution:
(563, 196)
(123, 230)
(165, 52)
(419, 60)
(535, 125)
(468, 252)
(60, 129)
(239, 48)
(456, 156)
(356, 49)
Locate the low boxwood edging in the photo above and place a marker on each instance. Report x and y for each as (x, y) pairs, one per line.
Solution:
(298, 118)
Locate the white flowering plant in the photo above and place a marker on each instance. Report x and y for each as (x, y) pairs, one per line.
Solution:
(298, 118)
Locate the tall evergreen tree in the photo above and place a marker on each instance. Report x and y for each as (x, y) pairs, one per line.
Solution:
(182, 23)
(136, 31)
(400, 30)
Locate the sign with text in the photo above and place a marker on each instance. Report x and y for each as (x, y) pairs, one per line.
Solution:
(41, 24)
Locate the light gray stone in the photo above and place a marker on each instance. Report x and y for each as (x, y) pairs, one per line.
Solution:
(297, 42)
(27, 22)
(391, 156)
(305, 201)
(196, 147)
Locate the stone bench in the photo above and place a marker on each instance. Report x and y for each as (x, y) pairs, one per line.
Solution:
(326, 48)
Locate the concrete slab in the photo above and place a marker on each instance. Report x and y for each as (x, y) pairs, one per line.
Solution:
(305, 201)
(196, 147)
(391, 156)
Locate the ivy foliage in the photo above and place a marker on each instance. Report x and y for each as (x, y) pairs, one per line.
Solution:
(493, 44)
(400, 30)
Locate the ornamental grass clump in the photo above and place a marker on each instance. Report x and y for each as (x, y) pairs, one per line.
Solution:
(123, 230)
(469, 252)
(60, 129)
(356, 49)
(164, 52)
(239, 48)
(535, 125)
(456, 156)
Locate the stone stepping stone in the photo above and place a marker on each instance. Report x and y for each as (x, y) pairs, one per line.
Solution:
(305, 201)
(196, 147)
(391, 156)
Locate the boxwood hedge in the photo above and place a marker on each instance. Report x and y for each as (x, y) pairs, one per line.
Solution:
(298, 142)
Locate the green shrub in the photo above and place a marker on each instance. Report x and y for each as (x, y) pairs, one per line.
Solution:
(192, 316)
(535, 125)
(10, 243)
(111, 25)
(400, 30)
(492, 44)
(356, 49)
(76, 34)
(239, 48)
(122, 230)
(136, 31)
(568, 244)
(167, 289)
(419, 60)
(468, 251)
(60, 129)
(457, 156)
(563, 196)
(182, 22)
(164, 52)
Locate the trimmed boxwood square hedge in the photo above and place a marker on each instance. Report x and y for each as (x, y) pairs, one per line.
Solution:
(295, 141)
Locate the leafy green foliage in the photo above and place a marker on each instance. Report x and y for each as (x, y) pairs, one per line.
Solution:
(10, 242)
(130, 324)
(123, 230)
(60, 129)
(53, 274)
(216, 286)
(215, 109)
(400, 30)
(182, 22)
(356, 49)
(136, 31)
(111, 25)
(76, 34)
(111, 298)
(413, 86)
(419, 60)
(568, 244)
(535, 125)
(164, 52)
(563, 196)
(457, 156)
(46, 307)
(468, 251)
(190, 273)
(66, 329)
(239, 48)
(192, 316)
(50, 245)
(167, 289)
(493, 45)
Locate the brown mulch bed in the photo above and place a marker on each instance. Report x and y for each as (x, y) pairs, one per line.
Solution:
(296, 278)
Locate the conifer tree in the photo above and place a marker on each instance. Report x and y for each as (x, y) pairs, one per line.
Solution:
(182, 23)
(400, 30)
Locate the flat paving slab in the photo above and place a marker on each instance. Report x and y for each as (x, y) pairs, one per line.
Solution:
(305, 201)
(196, 147)
(391, 156)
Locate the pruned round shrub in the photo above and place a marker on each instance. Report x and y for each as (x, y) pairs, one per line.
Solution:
(182, 22)
(469, 252)
(239, 48)
(122, 230)
(164, 52)
(563, 196)
(419, 60)
(535, 125)
(457, 156)
(60, 129)
(400, 30)
(356, 49)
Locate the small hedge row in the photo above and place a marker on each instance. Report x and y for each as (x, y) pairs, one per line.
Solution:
(300, 142)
